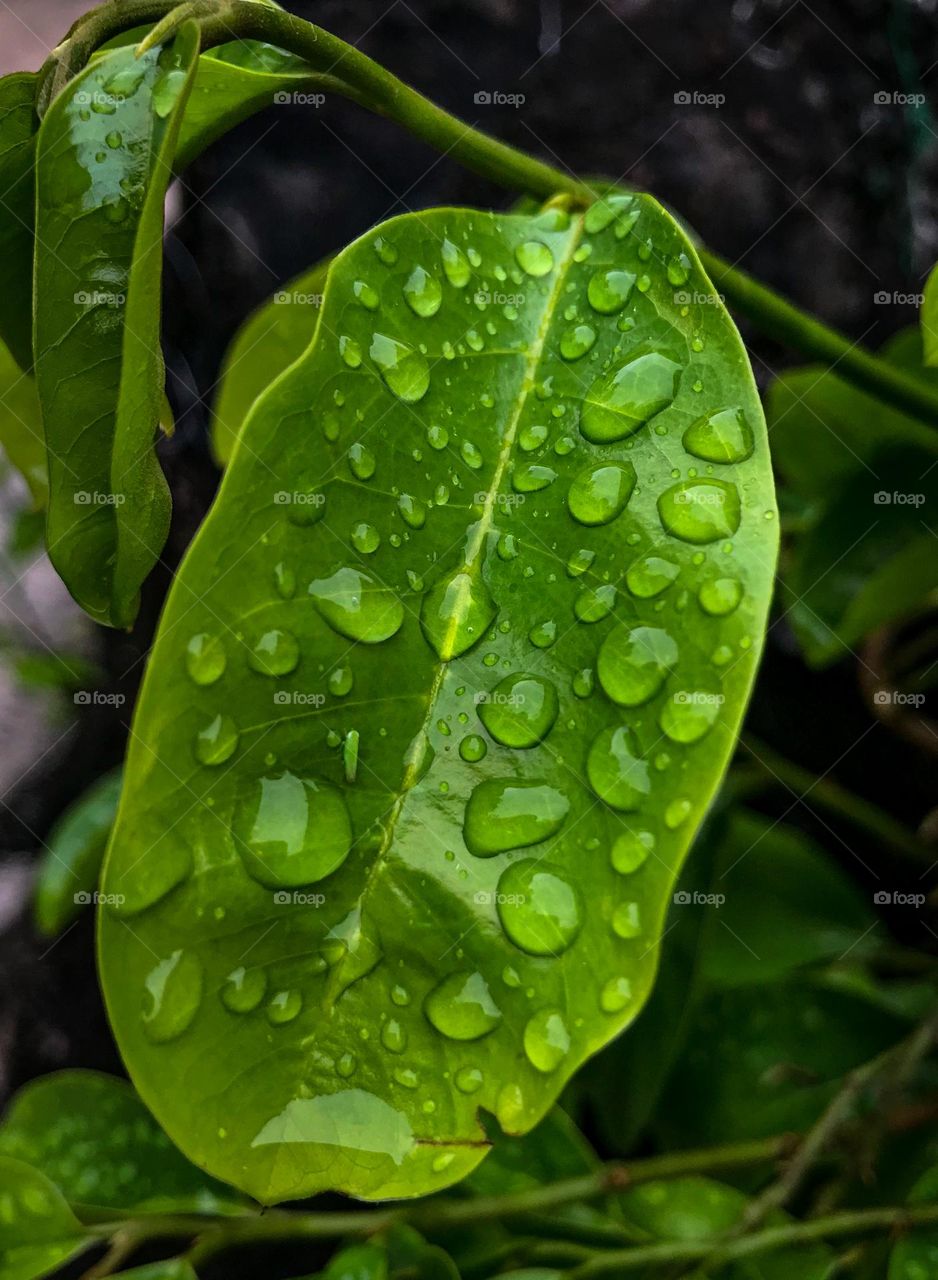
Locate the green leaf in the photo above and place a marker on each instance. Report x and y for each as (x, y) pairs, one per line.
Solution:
(170, 1269)
(696, 1209)
(358, 1262)
(786, 905)
(268, 342)
(916, 1254)
(369, 786)
(38, 1231)
(73, 853)
(553, 1151)
(21, 426)
(127, 1162)
(18, 126)
(104, 161)
(928, 319)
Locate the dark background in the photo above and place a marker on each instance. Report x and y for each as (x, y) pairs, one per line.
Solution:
(803, 175)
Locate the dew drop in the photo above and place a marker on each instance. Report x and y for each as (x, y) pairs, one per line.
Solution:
(503, 814)
(618, 404)
(615, 995)
(405, 370)
(689, 714)
(413, 511)
(455, 265)
(437, 437)
(385, 250)
(365, 538)
(366, 295)
(205, 658)
(350, 351)
(626, 920)
(469, 1080)
(217, 741)
(577, 341)
(634, 662)
(677, 813)
(244, 989)
(600, 493)
(532, 477)
(615, 773)
(520, 711)
(456, 613)
(595, 603)
(724, 436)
(649, 576)
(423, 292)
(700, 511)
(580, 561)
(356, 606)
(534, 258)
(172, 995)
(532, 437)
(540, 911)
(473, 748)
(283, 1007)
(341, 681)
(275, 653)
(291, 831)
(461, 1007)
(543, 634)
(720, 596)
(471, 455)
(361, 462)
(608, 291)
(546, 1040)
(583, 682)
(393, 1036)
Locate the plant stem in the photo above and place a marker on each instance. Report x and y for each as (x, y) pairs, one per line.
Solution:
(832, 796)
(834, 1227)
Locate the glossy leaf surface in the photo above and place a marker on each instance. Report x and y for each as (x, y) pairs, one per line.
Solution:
(104, 161)
(125, 1160)
(38, 1230)
(74, 851)
(18, 126)
(440, 696)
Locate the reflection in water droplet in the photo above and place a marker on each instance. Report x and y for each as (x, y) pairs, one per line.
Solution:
(217, 741)
(291, 831)
(577, 341)
(404, 369)
(608, 290)
(648, 577)
(532, 477)
(437, 437)
(532, 437)
(455, 265)
(618, 404)
(350, 351)
(365, 538)
(385, 250)
(361, 462)
(341, 681)
(471, 455)
(172, 995)
(615, 995)
(546, 1040)
(615, 773)
(677, 813)
(393, 1036)
(689, 714)
(505, 814)
(205, 658)
(461, 1007)
(630, 851)
(700, 511)
(357, 606)
(720, 596)
(539, 909)
(366, 295)
(275, 653)
(473, 748)
(634, 662)
(469, 1079)
(283, 1007)
(626, 920)
(244, 989)
(455, 614)
(595, 603)
(413, 512)
(583, 682)
(600, 493)
(543, 634)
(423, 292)
(519, 711)
(580, 561)
(534, 257)
(724, 436)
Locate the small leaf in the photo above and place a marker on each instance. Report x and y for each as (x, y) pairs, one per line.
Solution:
(437, 705)
(18, 126)
(268, 342)
(104, 161)
(21, 426)
(38, 1231)
(73, 853)
(127, 1161)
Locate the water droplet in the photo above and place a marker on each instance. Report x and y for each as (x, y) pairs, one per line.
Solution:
(473, 748)
(540, 911)
(366, 295)
(400, 996)
(678, 269)
(172, 995)
(461, 1007)
(455, 265)
(626, 920)
(724, 436)
(361, 462)
(357, 606)
(700, 511)
(423, 292)
(534, 257)
(291, 831)
(618, 404)
(393, 1036)
(616, 774)
(507, 547)
(615, 995)
(595, 603)
(341, 680)
(633, 663)
(532, 436)
(437, 437)
(471, 455)
(546, 1040)
(532, 477)
(413, 511)
(580, 561)
(385, 250)
(284, 580)
(283, 1007)
(520, 711)
(608, 290)
(404, 369)
(630, 850)
(720, 596)
(543, 634)
(350, 747)
(677, 813)
(275, 653)
(583, 682)
(205, 658)
(350, 351)
(217, 741)
(503, 814)
(406, 1078)
(469, 1079)
(365, 538)
(244, 989)
(689, 714)
(607, 210)
(114, 140)
(455, 614)
(600, 493)
(575, 342)
(166, 91)
(649, 576)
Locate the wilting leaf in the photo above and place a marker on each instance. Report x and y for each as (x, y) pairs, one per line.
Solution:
(268, 342)
(38, 1230)
(126, 1160)
(868, 554)
(440, 696)
(21, 426)
(104, 161)
(18, 126)
(74, 851)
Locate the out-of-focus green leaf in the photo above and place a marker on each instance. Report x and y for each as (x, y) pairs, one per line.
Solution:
(928, 319)
(20, 420)
(38, 669)
(269, 341)
(915, 1257)
(73, 853)
(170, 1269)
(18, 127)
(358, 1262)
(786, 905)
(437, 498)
(104, 161)
(553, 1151)
(92, 1136)
(38, 1230)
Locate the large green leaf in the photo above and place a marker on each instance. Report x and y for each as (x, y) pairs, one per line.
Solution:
(38, 1230)
(271, 338)
(18, 126)
(73, 853)
(104, 161)
(441, 693)
(92, 1136)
